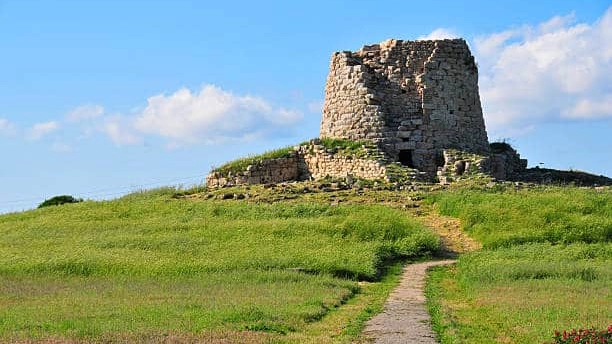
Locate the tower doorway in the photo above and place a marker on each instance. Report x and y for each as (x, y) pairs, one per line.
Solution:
(405, 158)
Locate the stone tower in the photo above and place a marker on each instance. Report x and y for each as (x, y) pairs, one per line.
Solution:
(412, 98)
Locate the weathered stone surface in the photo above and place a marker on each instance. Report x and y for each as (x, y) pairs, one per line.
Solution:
(459, 164)
(507, 165)
(402, 93)
(307, 162)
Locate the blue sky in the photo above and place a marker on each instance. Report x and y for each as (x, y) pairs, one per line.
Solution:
(103, 97)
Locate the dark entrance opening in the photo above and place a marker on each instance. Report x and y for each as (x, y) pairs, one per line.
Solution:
(405, 158)
(440, 161)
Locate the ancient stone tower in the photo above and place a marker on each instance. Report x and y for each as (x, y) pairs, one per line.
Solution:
(412, 98)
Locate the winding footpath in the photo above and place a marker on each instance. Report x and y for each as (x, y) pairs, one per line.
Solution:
(405, 319)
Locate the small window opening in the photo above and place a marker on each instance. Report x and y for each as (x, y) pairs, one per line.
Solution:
(440, 161)
(405, 158)
(405, 139)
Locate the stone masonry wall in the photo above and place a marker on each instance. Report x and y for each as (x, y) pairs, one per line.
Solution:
(412, 98)
(311, 161)
(507, 165)
(321, 164)
(458, 164)
(264, 172)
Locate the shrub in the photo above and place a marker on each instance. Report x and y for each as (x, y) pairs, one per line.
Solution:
(500, 147)
(59, 200)
(583, 336)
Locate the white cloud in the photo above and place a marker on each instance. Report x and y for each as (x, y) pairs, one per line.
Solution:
(558, 69)
(590, 108)
(120, 131)
(211, 115)
(440, 33)
(88, 111)
(6, 127)
(39, 130)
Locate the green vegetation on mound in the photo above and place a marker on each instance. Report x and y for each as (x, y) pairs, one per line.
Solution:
(240, 165)
(500, 147)
(59, 200)
(356, 149)
(546, 265)
(149, 263)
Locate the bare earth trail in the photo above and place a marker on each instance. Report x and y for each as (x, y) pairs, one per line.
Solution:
(405, 318)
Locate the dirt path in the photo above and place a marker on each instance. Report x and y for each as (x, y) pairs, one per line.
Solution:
(404, 318)
(454, 240)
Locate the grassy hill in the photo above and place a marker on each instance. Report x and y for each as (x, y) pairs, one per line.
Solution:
(546, 265)
(149, 265)
(302, 262)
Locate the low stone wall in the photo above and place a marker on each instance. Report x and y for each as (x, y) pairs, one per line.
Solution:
(321, 163)
(459, 164)
(263, 172)
(306, 162)
(504, 165)
(315, 161)
(507, 165)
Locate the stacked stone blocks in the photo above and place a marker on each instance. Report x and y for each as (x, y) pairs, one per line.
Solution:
(412, 98)
(306, 162)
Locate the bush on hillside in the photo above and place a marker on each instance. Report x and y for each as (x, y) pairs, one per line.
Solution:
(583, 336)
(59, 200)
(501, 147)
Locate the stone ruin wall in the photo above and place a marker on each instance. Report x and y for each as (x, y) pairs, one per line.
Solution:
(412, 98)
(321, 164)
(264, 172)
(306, 162)
(507, 165)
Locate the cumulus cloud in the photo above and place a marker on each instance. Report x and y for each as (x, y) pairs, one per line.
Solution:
(211, 115)
(85, 112)
(590, 108)
(558, 69)
(120, 131)
(440, 33)
(39, 130)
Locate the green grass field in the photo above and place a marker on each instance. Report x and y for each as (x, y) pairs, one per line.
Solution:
(546, 265)
(150, 266)
(293, 265)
